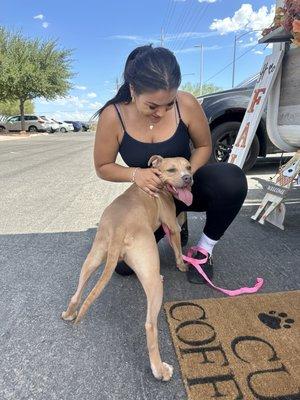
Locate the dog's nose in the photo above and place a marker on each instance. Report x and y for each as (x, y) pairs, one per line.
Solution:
(187, 178)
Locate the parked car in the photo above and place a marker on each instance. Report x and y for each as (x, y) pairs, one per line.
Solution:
(54, 125)
(76, 124)
(64, 126)
(33, 123)
(225, 111)
(85, 126)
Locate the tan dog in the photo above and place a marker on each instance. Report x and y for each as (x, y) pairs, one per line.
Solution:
(125, 232)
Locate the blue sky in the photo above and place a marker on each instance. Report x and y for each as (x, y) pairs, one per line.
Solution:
(103, 33)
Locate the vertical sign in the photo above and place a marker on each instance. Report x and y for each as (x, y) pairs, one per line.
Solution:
(255, 108)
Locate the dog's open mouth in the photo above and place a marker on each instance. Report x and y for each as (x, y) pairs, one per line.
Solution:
(183, 194)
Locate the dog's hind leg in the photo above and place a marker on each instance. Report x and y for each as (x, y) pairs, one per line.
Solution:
(95, 257)
(144, 259)
(111, 262)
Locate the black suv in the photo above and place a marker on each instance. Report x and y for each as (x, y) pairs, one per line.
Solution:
(225, 111)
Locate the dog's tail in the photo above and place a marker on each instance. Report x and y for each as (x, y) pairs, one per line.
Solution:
(113, 253)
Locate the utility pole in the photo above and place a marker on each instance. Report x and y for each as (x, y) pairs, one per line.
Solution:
(234, 57)
(117, 84)
(201, 67)
(162, 37)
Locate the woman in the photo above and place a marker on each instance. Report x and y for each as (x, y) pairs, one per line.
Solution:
(148, 116)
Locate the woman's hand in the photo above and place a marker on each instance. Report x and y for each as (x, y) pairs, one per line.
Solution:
(148, 180)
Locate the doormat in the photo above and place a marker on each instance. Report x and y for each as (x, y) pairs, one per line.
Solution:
(245, 347)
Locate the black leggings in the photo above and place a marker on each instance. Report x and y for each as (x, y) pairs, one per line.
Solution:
(218, 189)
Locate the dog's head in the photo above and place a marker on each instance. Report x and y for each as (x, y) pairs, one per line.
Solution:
(176, 176)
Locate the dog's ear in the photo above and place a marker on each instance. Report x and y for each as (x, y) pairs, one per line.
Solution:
(155, 161)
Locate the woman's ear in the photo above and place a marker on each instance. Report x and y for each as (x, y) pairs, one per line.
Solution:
(155, 161)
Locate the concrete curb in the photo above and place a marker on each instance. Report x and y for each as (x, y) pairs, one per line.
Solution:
(20, 136)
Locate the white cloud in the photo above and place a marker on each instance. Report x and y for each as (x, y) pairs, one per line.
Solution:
(196, 49)
(96, 105)
(71, 115)
(92, 95)
(249, 44)
(258, 52)
(80, 87)
(167, 38)
(39, 16)
(126, 37)
(69, 108)
(190, 35)
(200, 1)
(45, 24)
(69, 101)
(245, 18)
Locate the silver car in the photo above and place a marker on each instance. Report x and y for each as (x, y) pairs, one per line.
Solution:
(33, 123)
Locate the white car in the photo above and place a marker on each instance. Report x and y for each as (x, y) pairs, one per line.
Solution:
(64, 126)
(54, 125)
(33, 123)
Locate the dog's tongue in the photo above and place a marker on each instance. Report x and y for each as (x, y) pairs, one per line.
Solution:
(184, 195)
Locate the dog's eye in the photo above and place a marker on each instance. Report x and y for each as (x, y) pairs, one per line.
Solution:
(171, 170)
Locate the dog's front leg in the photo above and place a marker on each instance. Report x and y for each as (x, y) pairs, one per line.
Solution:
(154, 292)
(144, 259)
(175, 241)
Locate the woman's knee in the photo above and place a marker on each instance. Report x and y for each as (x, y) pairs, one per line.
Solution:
(224, 179)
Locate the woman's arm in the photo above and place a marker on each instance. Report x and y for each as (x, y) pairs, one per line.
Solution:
(106, 148)
(199, 131)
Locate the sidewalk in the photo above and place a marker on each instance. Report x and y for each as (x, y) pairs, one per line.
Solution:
(15, 136)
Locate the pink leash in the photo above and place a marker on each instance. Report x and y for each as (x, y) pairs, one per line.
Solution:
(196, 263)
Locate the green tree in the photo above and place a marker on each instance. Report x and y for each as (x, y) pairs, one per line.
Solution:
(13, 107)
(31, 68)
(195, 88)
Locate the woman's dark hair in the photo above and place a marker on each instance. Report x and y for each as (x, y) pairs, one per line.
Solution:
(147, 69)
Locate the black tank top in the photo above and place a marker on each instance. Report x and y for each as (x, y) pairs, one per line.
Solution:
(137, 154)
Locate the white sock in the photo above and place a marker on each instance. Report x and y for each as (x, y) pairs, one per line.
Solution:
(207, 243)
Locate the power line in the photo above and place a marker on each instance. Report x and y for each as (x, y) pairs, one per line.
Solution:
(197, 18)
(180, 24)
(167, 13)
(189, 27)
(173, 5)
(194, 23)
(228, 65)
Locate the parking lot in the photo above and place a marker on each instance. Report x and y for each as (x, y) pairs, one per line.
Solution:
(51, 201)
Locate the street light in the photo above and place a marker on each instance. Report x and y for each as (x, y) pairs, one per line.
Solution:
(201, 66)
(236, 37)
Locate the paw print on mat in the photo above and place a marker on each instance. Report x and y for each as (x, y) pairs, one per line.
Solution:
(276, 320)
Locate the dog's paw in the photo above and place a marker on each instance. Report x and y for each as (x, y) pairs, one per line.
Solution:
(67, 317)
(167, 371)
(164, 373)
(182, 267)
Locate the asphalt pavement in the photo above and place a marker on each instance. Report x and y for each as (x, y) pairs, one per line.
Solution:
(51, 201)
